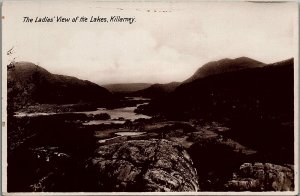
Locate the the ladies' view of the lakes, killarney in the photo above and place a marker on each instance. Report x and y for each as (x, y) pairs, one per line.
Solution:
(121, 97)
(228, 127)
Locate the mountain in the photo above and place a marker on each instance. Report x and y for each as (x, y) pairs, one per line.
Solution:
(268, 88)
(29, 84)
(223, 66)
(126, 87)
(157, 90)
(257, 104)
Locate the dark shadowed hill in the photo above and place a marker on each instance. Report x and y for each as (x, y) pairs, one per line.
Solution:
(157, 90)
(268, 88)
(126, 87)
(30, 84)
(223, 66)
(257, 103)
(263, 91)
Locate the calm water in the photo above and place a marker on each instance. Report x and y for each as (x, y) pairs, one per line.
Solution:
(129, 133)
(118, 116)
(120, 134)
(23, 114)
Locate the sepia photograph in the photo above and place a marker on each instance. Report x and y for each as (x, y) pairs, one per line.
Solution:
(137, 97)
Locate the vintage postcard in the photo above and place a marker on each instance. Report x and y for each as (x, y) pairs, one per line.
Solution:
(149, 97)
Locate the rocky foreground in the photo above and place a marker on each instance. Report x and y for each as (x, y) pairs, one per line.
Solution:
(162, 165)
(166, 156)
(140, 165)
(262, 177)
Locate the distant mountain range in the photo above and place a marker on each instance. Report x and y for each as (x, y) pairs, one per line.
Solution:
(126, 87)
(142, 89)
(29, 84)
(217, 88)
(157, 90)
(208, 69)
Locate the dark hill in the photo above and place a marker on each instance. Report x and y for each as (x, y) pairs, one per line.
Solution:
(268, 88)
(256, 103)
(30, 84)
(157, 90)
(223, 66)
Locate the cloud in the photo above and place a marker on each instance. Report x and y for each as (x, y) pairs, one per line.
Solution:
(113, 56)
(159, 47)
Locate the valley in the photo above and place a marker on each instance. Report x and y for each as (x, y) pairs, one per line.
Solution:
(229, 130)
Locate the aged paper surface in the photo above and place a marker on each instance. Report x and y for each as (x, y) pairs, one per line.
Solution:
(149, 97)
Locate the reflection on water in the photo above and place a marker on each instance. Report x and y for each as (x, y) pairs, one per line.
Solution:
(23, 114)
(129, 133)
(138, 99)
(120, 135)
(105, 122)
(118, 116)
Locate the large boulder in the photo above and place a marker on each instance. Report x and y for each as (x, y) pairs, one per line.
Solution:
(262, 177)
(143, 165)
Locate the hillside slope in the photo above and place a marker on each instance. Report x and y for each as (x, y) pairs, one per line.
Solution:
(261, 89)
(224, 66)
(257, 104)
(30, 84)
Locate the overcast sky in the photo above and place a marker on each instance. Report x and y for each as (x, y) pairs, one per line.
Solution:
(168, 42)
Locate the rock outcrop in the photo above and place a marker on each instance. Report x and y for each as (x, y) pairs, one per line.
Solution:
(143, 165)
(216, 157)
(262, 177)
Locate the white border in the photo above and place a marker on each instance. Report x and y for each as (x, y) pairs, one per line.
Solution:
(296, 101)
(155, 193)
(296, 126)
(4, 111)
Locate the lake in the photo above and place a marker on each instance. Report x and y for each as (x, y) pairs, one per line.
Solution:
(118, 116)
